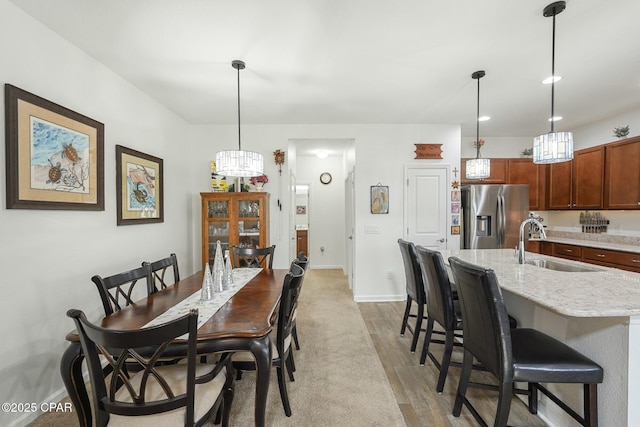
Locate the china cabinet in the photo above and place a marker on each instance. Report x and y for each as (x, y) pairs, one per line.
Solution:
(234, 218)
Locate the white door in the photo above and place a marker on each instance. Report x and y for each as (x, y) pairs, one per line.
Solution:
(426, 206)
(350, 210)
(292, 216)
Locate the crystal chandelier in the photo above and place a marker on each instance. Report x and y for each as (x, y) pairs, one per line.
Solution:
(239, 163)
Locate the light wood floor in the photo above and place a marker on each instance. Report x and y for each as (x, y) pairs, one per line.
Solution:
(414, 385)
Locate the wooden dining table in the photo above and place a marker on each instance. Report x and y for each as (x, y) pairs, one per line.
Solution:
(242, 324)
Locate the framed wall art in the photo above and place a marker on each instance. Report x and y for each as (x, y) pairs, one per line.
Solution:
(379, 199)
(55, 156)
(139, 187)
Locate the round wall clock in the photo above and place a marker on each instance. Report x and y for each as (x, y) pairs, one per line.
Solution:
(325, 178)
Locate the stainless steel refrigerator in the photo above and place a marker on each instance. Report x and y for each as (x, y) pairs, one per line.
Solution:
(492, 214)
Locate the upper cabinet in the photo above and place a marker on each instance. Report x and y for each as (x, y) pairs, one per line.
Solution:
(524, 171)
(622, 174)
(577, 184)
(498, 173)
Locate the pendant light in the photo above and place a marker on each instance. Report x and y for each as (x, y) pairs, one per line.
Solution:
(239, 163)
(553, 147)
(478, 168)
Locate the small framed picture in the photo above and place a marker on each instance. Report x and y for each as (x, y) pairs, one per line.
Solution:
(455, 196)
(455, 219)
(455, 229)
(139, 187)
(301, 210)
(455, 207)
(379, 199)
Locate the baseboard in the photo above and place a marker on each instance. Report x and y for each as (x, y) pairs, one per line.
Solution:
(29, 417)
(379, 298)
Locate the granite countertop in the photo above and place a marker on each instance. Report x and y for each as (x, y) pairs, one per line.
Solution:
(591, 243)
(607, 292)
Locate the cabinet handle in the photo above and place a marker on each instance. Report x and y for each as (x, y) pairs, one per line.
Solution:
(567, 250)
(569, 205)
(600, 255)
(635, 260)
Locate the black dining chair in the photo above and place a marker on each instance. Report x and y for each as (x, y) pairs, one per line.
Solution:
(415, 291)
(159, 270)
(281, 345)
(515, 355)
(442, 308)
(183, 394)
(117, 291)
(302, 261)
(253, 257)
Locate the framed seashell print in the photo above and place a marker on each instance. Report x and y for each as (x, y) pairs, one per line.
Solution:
(55, 156)
(139, 187)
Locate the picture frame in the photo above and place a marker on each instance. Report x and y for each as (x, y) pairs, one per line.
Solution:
(139, 187)
(379, 199)
(455, 229)
(301, 210)
(54, 156)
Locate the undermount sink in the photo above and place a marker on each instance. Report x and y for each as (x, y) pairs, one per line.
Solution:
(559, 266)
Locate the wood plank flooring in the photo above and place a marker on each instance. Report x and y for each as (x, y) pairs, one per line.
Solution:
(414, 385)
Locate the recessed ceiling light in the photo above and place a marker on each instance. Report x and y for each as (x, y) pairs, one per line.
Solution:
(551, 79)
(483, 118)
(322, 154)
(555, 118)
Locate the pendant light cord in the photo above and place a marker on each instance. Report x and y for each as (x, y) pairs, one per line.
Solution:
(478, 123)
(239, 139)
(553, 68)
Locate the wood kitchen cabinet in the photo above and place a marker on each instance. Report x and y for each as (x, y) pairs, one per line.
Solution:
(577, 184)
(234, 218)
(498, 173)
(302, 241)
(622, 174)
(524, 171)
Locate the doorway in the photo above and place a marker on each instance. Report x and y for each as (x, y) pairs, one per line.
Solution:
(302, 218)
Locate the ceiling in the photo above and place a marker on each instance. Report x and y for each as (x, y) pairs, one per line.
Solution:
(365, 61)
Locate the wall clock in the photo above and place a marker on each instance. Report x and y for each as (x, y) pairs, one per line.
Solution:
(325, 178)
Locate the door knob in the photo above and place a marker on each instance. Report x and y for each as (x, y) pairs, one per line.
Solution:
(442, 240)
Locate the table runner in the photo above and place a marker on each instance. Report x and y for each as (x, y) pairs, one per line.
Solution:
(206, 309)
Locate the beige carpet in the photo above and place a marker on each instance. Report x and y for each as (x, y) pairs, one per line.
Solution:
(339, 377)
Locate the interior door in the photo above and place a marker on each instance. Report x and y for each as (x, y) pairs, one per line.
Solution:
(350, 210)
(292, 216)
(426, 206)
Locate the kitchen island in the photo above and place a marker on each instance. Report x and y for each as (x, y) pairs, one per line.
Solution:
(596, 312)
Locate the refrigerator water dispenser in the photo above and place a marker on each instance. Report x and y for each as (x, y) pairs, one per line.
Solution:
(483, 225)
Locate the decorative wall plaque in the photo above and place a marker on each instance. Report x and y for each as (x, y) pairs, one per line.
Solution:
(428, 151)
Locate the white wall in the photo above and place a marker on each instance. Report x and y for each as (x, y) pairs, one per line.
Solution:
(380, 153)
(48, 257)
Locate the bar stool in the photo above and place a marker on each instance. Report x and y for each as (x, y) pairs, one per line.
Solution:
(415, 291)
(515, 355)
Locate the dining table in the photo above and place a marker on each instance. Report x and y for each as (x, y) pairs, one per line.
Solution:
(243, 323)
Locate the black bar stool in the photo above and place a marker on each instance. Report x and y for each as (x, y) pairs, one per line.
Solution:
(515, 355)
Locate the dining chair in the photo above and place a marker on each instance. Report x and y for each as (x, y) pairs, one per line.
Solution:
(442, 308)
(302, 261)
(159, 271)
(415, 291)
(253, 257)
(515, 355)
(117, 291)
(281, 345)
(155, 395)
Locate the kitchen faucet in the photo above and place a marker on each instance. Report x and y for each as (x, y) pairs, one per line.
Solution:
(543, 234)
